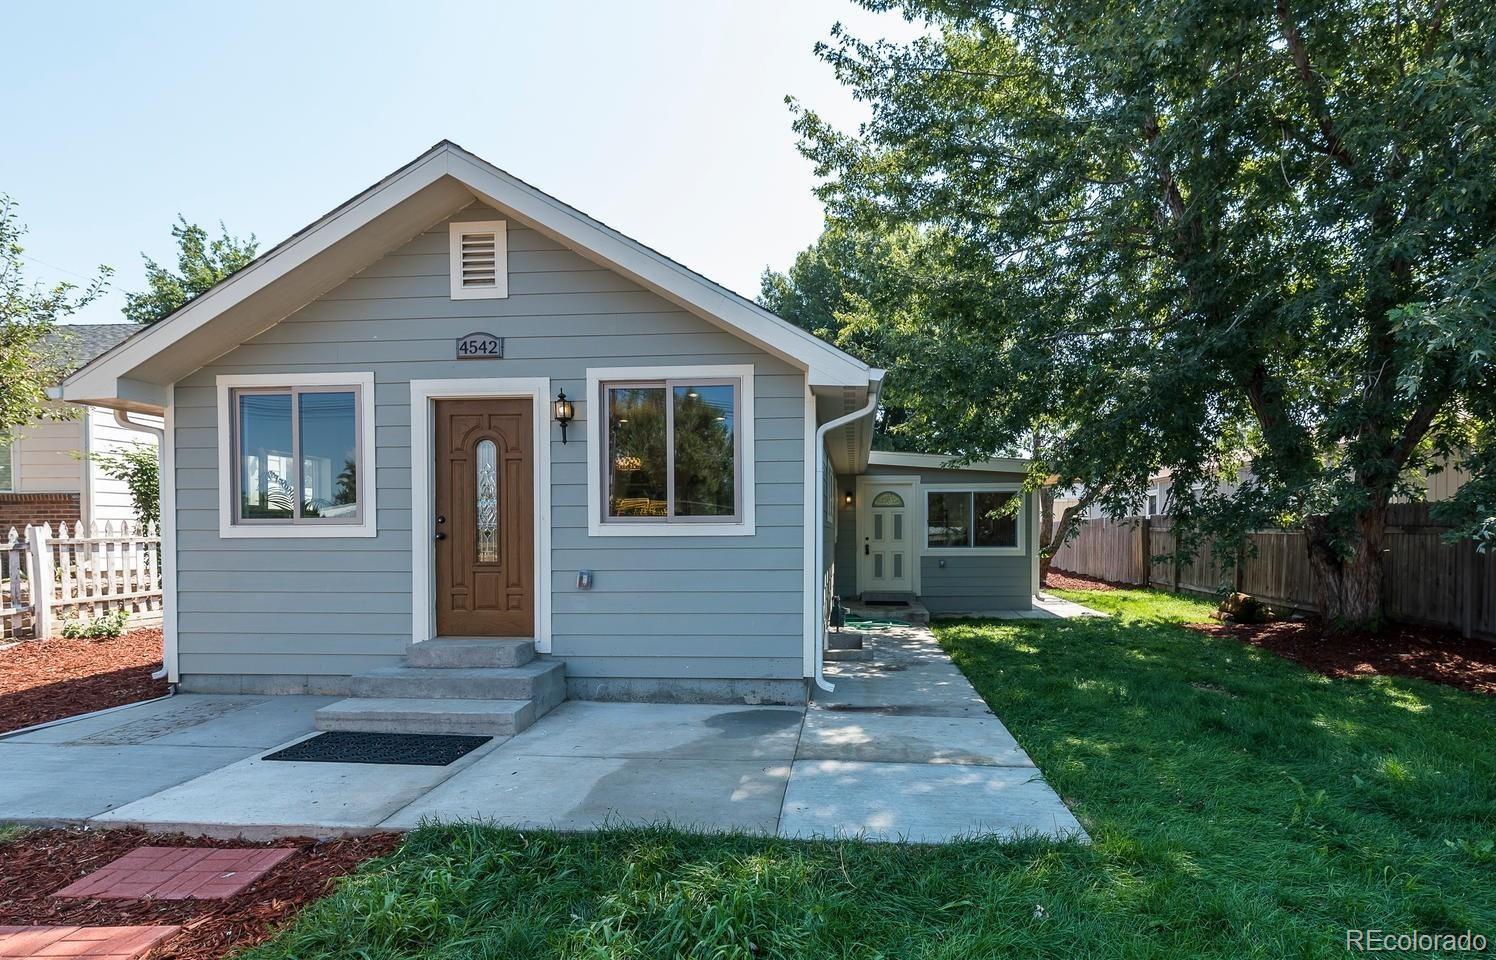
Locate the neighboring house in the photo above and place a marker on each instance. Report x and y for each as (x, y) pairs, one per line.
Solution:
(46, 475)
(369, 447)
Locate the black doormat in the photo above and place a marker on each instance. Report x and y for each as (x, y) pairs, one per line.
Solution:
(346, 746)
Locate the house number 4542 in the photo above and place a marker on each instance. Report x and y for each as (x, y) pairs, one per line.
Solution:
(476, 346)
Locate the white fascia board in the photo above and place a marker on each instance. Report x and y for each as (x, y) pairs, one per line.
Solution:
(102, 377)
(825, 364)
(999, 464)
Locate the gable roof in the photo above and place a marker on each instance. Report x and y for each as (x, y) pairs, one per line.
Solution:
(137, 374)
(75, 344)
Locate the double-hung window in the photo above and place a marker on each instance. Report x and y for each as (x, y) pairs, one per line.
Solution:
(7, 464)
(296, 455)
(982, 520)
(672, 451)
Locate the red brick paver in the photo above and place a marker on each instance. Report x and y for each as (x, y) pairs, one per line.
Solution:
(177, 873)
(80, 943)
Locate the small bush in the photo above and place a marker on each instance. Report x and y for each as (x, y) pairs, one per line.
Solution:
(107, 627)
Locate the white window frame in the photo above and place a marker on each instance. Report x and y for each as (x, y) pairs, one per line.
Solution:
(593, 409)
(228, 470)
(1020, 519)
(500, 231)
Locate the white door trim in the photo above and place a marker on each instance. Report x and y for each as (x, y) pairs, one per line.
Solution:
(912, 510)
(422, 495)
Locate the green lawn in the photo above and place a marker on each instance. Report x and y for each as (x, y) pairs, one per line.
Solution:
(1240, 806)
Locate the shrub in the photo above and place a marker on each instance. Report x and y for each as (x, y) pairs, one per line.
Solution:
(107, 627)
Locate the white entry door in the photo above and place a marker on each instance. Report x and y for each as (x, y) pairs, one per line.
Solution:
(885, 561)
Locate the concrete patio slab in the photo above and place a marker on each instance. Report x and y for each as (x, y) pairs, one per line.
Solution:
(257, 798)
(920, 802)
(582, 728)
(584, 793)
(893, 686)
(46, 783)
(190, 720)
(870, 736)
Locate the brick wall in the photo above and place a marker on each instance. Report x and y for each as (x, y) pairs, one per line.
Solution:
(19, 509)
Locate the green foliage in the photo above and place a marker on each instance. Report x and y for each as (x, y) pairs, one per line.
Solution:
(139, 468)
(28, 313)
(201, 263)
(1239, 807)
(1254, 239)
(107, 627)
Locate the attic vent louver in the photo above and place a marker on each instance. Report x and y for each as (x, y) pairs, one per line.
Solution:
(479, 259)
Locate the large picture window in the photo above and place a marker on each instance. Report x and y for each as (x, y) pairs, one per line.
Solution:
(296, 453)
(971, 519)
(673, 451)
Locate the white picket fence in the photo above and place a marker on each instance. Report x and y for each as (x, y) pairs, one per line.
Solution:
(92, 569)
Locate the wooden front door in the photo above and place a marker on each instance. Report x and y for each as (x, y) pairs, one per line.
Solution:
(485, 518)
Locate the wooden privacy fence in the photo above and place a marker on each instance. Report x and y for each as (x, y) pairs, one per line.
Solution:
(90, 570)
(1425, 578)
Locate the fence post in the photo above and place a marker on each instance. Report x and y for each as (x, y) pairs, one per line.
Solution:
(1468, 576)
(42, 593)
(1145, 543)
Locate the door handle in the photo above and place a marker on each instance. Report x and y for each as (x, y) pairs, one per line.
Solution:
(441, 536)
(441, 519)
(866, 550)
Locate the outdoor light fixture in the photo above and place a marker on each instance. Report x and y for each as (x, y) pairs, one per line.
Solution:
(564, 411)
(849, 498)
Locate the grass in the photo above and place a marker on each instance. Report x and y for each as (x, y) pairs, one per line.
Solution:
(10, 831)
(1240, 807)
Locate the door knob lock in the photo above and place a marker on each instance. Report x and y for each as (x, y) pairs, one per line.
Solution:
(441, 536)
(441, 519)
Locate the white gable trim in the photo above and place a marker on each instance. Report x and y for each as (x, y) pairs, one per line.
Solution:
(108, 376)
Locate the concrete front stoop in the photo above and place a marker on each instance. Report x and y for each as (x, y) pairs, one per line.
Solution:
(484, 686)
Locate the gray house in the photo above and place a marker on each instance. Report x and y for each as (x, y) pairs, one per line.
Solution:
(456, 423)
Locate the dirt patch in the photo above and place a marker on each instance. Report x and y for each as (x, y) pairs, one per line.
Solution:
(38, 863)
(43, 680)
(1401, 650)
(1063, 580)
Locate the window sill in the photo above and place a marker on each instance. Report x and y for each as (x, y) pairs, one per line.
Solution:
(670, 529)
(229, 531)
(975, 551)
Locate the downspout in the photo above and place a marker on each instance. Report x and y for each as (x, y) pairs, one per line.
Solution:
(875, 389)
(123, 419)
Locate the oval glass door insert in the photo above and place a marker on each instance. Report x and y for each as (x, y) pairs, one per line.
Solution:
(488, 502)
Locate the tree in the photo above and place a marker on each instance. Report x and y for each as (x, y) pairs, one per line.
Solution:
(1252, 237)
(139, 467)
(903, 300)
(28, 313)
(201, 263)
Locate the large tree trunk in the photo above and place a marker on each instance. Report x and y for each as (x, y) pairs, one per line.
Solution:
(1348, 582)
(1052, 533)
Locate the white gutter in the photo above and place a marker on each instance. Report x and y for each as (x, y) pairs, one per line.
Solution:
(875, 385)
(123, 419)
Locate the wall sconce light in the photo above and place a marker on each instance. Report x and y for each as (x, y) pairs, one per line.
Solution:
(848, 498)
(564, 411)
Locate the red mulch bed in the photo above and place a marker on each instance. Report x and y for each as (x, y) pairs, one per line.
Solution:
(38, 863)
(1402, 650)
(1062, 580)
(43, 680)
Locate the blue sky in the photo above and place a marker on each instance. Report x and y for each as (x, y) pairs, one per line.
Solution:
(665, 120)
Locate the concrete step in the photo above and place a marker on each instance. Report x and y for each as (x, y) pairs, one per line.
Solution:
(541, 680)
(454, 652)
(845, 653)
(484, 718)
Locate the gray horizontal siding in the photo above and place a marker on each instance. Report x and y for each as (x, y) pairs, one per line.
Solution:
(690, 607)
(970, 584)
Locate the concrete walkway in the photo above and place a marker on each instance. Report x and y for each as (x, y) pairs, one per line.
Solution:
(904, 749)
